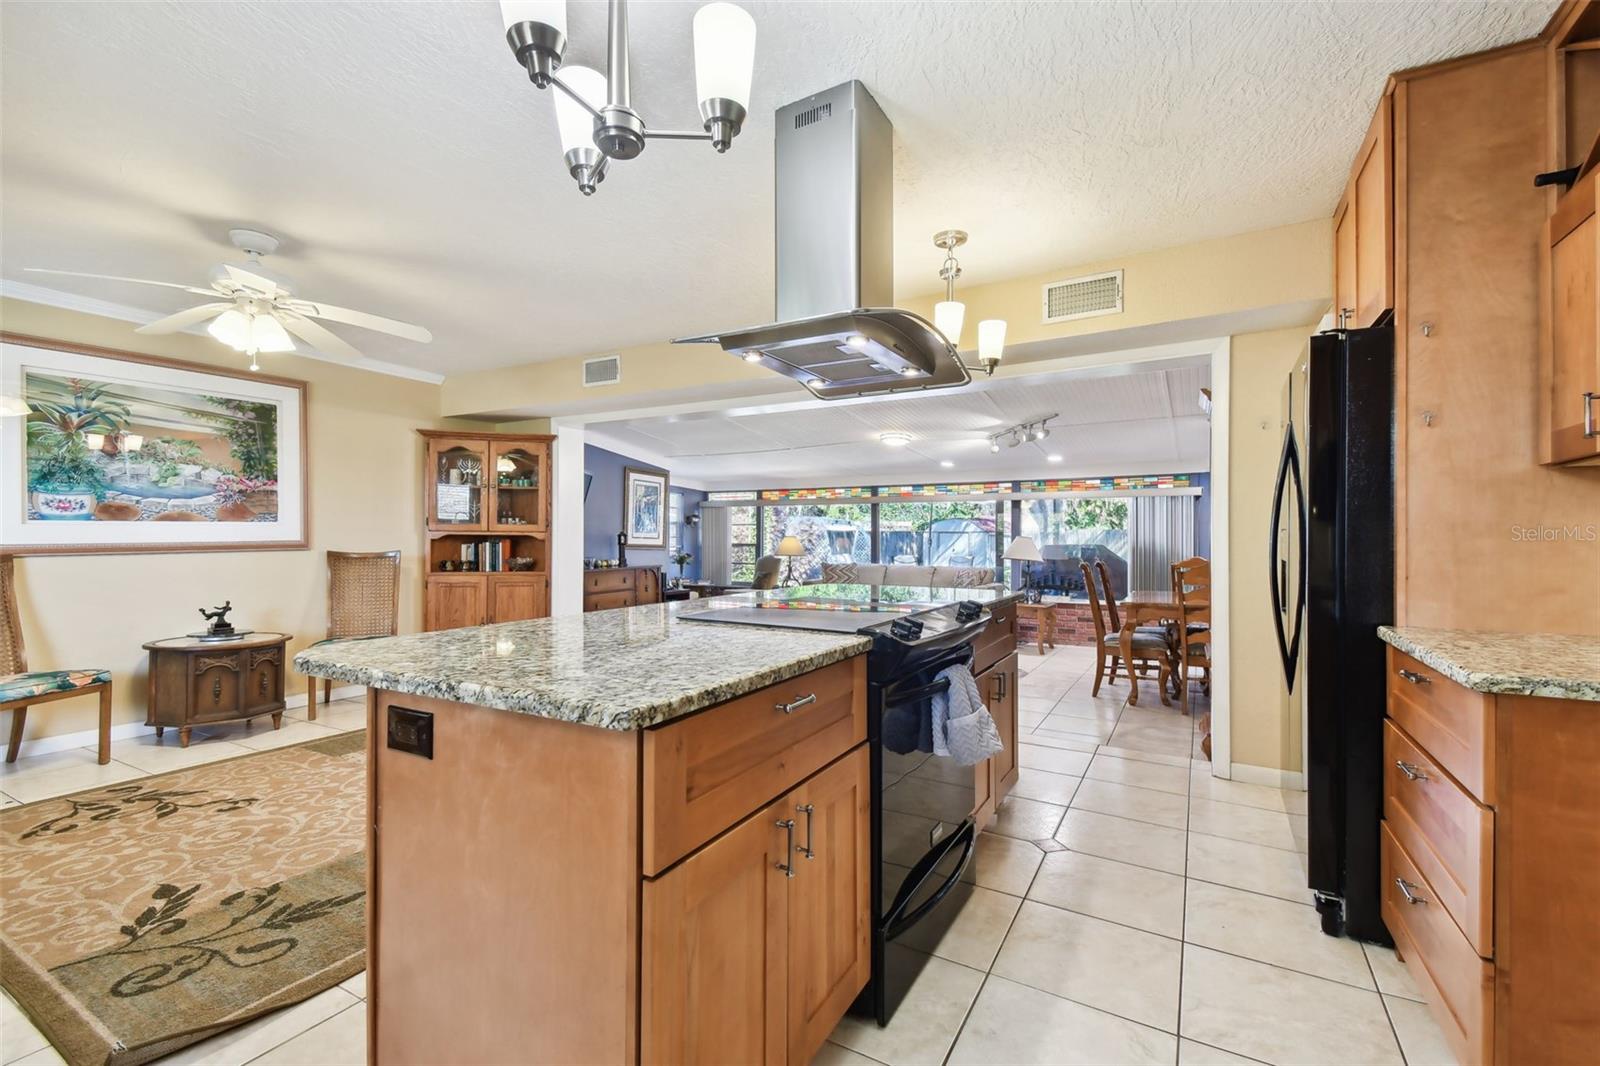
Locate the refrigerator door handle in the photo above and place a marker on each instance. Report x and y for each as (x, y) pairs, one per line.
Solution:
(1288, 641)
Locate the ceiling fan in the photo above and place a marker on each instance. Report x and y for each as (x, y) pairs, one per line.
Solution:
(254, 309)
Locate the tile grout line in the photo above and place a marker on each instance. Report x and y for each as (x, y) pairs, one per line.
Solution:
(360, 1002)
(1388, 1016)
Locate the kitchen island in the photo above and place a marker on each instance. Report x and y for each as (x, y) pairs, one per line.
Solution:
(613, 837)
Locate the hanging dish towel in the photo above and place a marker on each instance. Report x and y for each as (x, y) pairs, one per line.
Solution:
(962, 726)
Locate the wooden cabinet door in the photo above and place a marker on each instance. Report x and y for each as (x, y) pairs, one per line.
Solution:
(1001, 694)
(714, 949)
(521, 487)
(985, 799)
(1344, 261)
(1372, 186)
(215, 689)
(647, 586)
(830, 955)
(455, 601)
(1571, 356)
(453, 481)
(515, 597)
(263, 684)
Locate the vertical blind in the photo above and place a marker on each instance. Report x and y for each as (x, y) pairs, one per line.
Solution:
(716, 534)
(1162, 533)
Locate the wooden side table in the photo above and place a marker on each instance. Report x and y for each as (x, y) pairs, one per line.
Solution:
(204, 682)
(1044, 619)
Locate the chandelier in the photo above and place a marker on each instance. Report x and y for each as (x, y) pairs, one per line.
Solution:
(595, 112)
(950, 313)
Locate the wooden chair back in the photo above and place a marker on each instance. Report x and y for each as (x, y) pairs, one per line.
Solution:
(1191, 578)
(1094, 605)
(1111, 595)
(13, 656)
(363, 594)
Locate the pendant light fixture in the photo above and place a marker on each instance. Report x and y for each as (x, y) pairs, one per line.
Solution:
(950, 314)
(595, 112)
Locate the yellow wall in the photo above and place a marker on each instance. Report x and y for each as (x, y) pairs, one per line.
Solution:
(1268, 268)
(96, 611)
(1265, 731)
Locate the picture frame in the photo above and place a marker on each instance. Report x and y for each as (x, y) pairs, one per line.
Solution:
(644, 507)
(123, 452)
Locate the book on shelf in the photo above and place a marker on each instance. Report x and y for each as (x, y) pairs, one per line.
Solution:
(487, 556)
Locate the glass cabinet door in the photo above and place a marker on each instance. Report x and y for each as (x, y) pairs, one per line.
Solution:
(458, 471)
(521, 477)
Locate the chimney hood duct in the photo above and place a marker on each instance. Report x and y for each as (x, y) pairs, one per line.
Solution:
(836, 333)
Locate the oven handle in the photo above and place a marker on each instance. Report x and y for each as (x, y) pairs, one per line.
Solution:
(895, 923)
(932, 688)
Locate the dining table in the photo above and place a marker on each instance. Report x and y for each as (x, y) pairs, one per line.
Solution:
(1144, 607)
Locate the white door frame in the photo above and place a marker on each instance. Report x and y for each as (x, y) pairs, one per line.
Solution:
(1221, 671)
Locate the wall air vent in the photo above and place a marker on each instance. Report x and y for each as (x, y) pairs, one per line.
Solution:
(1085, 297)
(606, 370)
(813, 116)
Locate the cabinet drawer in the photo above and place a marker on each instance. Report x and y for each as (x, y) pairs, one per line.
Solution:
(1453, 724)
(705, 772)
(214, 692)
(997, 641)
(1447, 833)
(605, 601)
(1458, 985)
(607, 580)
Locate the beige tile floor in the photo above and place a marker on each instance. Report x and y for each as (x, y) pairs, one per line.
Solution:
(1128, 907)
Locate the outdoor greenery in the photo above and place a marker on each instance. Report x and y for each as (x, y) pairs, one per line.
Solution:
(60, 462)
(252, 434)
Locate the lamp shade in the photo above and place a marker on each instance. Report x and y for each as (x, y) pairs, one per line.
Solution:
(991, 339)
(552, 13)
(13, 406)
(576, 124)
(724, 53)
(250, 333)
(948, 316)
(1024, 550)
(790, 546)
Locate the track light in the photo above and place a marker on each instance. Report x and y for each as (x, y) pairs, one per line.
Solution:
(994, 444)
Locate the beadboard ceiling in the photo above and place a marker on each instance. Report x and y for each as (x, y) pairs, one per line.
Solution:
(412, 171)
(1117, 420)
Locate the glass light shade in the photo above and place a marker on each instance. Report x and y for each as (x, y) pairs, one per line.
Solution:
(13, 407)
(576, 124)
(550, 12)
(991, 339)
(268, 335)
(724, 53)
(250, 333)
(132, 442)
(1025, 549)
(231, 328)
(948, 316)
(789, 546)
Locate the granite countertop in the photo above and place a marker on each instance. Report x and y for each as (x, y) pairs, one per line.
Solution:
(1519, 664)
(622, 669)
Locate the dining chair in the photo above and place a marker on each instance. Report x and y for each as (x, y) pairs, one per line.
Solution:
(1191, 587)
(21, 688)
(1149, 649)
(1116, 618)
(363, 601)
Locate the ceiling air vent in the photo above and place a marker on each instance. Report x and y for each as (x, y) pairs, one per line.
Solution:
(606, 370)
(1085, 297)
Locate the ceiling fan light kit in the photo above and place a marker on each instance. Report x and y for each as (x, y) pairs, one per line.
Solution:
(595, 112)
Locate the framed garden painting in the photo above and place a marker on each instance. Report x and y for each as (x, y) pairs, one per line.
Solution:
(644, 507)
(120, 452)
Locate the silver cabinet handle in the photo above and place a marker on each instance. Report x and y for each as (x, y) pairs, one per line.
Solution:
(799, 702)
(1416, 678)
(1412, 772)
(787, 824)
(1588, 414)
(1345, 315)
(1406, 890)
(809, 811)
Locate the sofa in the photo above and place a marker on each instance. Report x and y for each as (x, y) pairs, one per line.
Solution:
(959, 577)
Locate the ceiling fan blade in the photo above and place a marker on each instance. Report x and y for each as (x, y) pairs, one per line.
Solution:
(323, 340)
(115, 277)
(362, 319)
(184, 319)
(251, 280)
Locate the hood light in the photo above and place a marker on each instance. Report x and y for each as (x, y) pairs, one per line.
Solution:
(751, 357)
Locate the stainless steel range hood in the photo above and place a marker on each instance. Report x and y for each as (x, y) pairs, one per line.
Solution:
(836, 333)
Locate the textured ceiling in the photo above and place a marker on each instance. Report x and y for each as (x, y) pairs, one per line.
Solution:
(412, 171)
(1122, 420)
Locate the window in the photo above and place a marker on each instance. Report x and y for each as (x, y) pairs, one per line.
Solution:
(742, 544)
(674, 520)
(954, 533)
(830, 533)
(1071, 531)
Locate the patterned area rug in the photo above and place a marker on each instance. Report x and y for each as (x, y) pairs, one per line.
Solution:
(141, 917)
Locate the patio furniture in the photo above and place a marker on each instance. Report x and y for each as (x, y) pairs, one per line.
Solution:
(1131, 646)
(363, 601)
(21, 688)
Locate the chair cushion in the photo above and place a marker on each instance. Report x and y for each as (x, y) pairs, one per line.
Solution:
(1142, 641)
(43, 682)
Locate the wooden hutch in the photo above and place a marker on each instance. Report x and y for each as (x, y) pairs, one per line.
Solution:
(487, 500)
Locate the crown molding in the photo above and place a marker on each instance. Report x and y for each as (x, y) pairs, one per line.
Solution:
(88, 305)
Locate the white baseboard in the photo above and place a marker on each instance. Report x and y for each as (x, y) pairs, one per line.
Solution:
(1269, 776)
(89, 738)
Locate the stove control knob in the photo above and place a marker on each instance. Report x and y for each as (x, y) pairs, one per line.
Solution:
(968, 610)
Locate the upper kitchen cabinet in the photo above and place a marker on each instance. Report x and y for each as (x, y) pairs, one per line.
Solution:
(1363, 228)
(1572, 64)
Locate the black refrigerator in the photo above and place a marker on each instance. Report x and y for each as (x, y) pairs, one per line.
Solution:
(1332, 587)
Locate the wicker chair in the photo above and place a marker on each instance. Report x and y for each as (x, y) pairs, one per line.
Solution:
(20, 689)
(363, 601)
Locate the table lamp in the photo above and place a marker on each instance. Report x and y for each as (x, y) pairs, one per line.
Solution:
(1025, 551)
(789, 548)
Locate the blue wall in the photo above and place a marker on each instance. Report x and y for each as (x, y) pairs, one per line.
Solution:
(1202, 514)
(602, 514)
